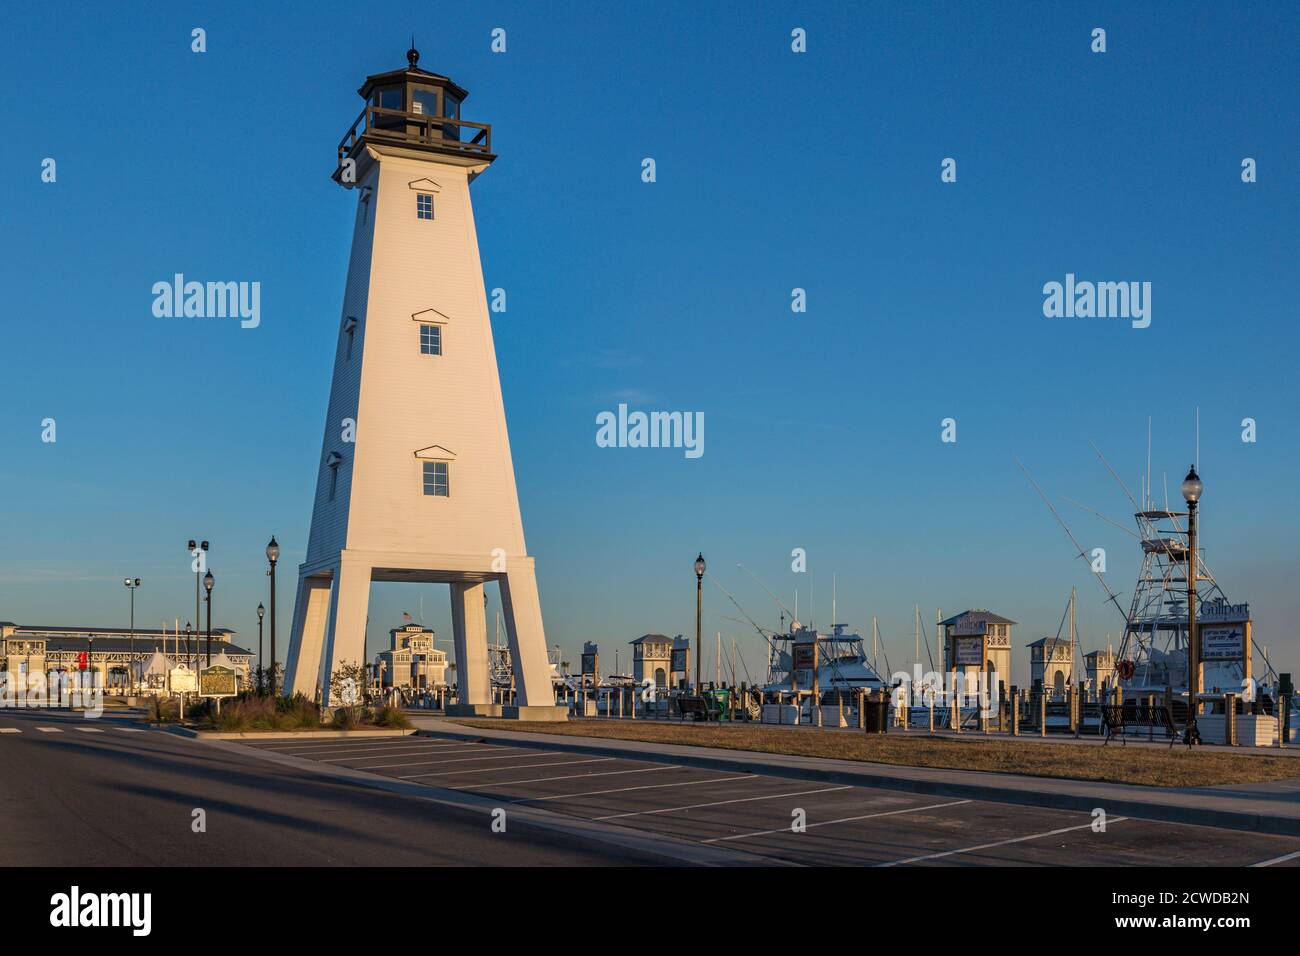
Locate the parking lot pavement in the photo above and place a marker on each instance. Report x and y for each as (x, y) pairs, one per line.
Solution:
(784, 819)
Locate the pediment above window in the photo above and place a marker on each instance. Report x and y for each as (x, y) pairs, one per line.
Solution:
(430, 317)
(435, 453)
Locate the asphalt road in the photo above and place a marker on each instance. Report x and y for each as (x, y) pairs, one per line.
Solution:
(78, 792)
(754, 815)
(110, 792)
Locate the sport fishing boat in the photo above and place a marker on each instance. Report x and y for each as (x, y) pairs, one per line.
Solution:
(843, 666)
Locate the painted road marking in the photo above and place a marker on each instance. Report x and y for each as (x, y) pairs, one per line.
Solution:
(50, 730)
(352, 743)
(395, 748)
(417, 753)
(572, 776)
(133, 730)
(1277, 859)
(445, 773)
(648, 786)
(719, 803)
(90, 730)
(989, 846)
(10, 730)
(336, 755)
(425, 763)
(310, 747)
(865, 816)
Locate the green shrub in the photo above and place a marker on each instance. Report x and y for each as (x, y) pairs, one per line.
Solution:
(346, 718)
(164, 710)
(297, 713)
(386, 716)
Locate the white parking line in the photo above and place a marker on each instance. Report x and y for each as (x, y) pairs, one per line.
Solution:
(523, 766)
(1277, 859)
(408, 753)
(10, 730)
(313, 746)
(571, 776)
(318, 752)
(826, 823)
(988, 846)
(50, 730)
(719, 803)
(423, 763)
(648, 786)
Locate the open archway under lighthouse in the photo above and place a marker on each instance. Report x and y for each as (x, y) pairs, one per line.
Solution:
(330, 628)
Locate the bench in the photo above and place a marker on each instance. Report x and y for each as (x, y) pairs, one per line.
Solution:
(698, 708)
(1117, 718)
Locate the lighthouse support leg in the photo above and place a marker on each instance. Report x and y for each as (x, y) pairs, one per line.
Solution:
(469, 632)
(523, 614)
(310, 614)
(345, 639)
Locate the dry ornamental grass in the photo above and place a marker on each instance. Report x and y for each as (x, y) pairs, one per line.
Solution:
(1147, 766)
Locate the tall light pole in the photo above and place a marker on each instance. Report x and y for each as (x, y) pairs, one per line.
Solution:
(189, 658)
(272, 555)
(200, 564)
(1192, 488)
(207, 586)
(699, 615)
(131, 584)
(261, 612)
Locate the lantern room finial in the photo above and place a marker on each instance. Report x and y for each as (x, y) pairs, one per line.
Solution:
(413, 55)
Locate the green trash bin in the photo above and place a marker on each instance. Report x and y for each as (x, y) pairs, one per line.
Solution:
(723, 697)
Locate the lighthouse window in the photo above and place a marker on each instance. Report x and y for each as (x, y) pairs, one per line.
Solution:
(389, 98)
(430, 340)
(332, 463)
(451, 111)
(424, 205)
(435, 479)
(424, 102)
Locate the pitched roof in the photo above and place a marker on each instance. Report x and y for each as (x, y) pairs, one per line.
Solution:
(980, 616)
(32, 630)
(143, 643)
(651, 637)
(1053, 642)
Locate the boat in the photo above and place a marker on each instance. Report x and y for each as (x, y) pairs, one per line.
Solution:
(843, 666)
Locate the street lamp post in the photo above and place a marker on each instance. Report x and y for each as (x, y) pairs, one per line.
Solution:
(131, 584)
(699, 615)
(189, 658)
(199, 567)
(1192, 488)
(272, 555)
(207, 586)
(261, 612)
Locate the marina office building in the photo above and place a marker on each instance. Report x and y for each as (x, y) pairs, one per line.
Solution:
(412, 662)
(108, 652)
(978, 640)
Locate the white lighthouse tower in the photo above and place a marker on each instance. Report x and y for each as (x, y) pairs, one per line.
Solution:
(415, 480)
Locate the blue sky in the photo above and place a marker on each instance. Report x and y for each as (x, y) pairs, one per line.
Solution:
(775, 170)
